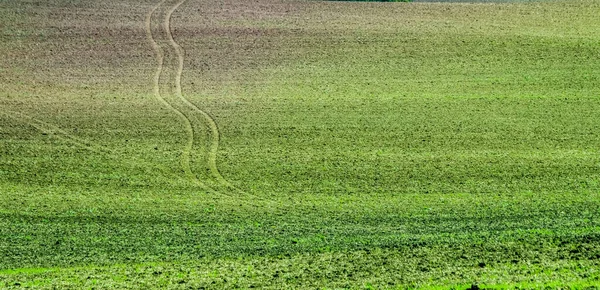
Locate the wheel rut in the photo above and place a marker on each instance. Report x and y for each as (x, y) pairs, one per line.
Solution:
(186, 117)
(53, 130)
(190, 114)
(213, 128)
(160, 59)
(58, 133)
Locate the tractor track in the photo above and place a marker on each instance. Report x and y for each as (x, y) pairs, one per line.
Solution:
(214, 129)
(160, 57)
(56, 132)
(209, 121)
(53, 130)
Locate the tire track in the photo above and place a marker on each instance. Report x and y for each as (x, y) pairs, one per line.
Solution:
(214, 129)
(61, 134)
(208, 119)
(55, 131)
(160, 57)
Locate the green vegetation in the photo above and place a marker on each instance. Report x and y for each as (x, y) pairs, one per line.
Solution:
(366, 146)
(376, 0)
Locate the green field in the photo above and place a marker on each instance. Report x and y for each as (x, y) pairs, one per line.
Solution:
(299, 144)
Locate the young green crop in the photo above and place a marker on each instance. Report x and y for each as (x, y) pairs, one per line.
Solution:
(376, 0)
(390, 145)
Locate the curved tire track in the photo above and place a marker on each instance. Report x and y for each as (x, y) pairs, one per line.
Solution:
(214, 129)
(160, 57)
(212, 125)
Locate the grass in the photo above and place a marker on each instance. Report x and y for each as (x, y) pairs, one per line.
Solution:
(389, 145)
(302, 270)
(377, 0)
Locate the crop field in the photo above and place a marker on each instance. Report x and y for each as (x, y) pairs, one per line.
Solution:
(299, 144)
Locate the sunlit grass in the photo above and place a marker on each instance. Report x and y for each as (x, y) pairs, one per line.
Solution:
(369, 145)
